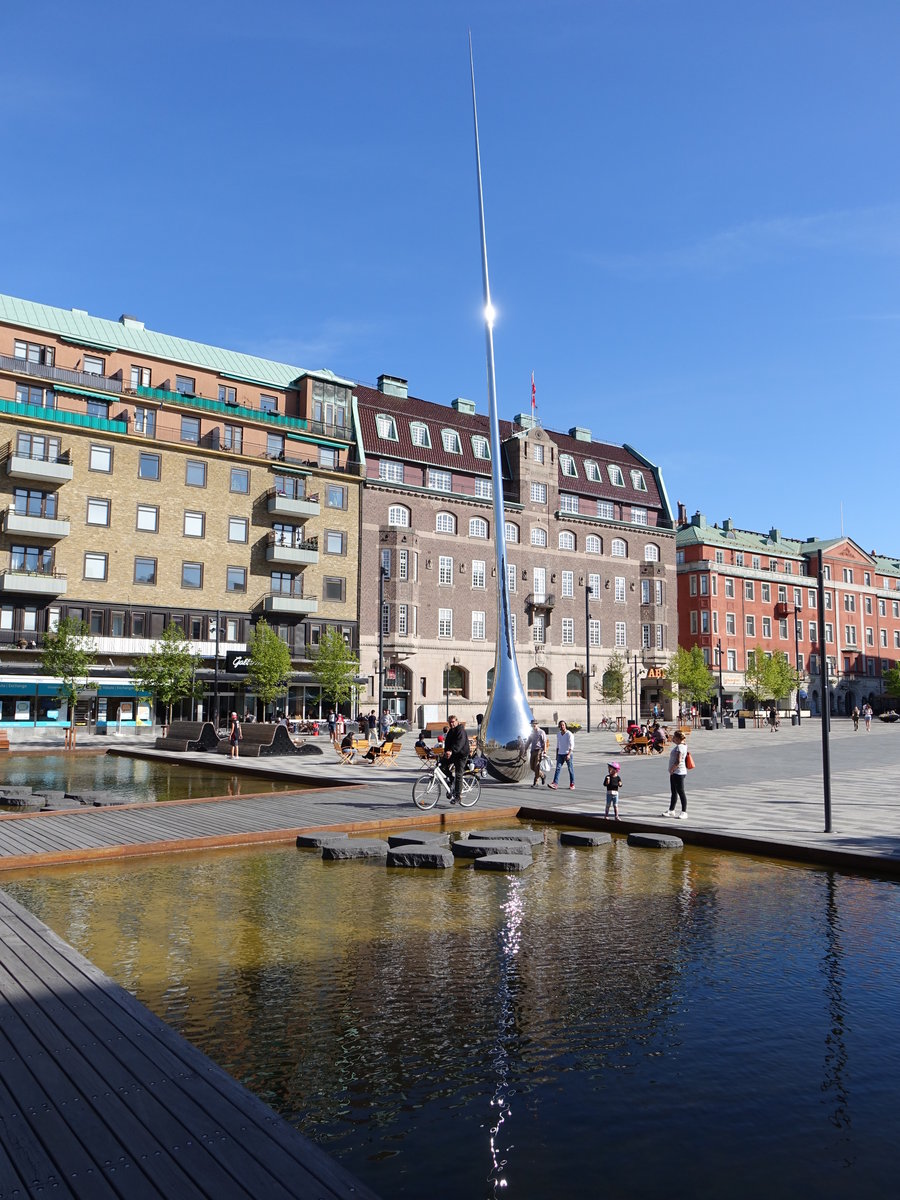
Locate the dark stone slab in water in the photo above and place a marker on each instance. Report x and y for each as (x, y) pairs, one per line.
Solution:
(64, 804)
(18, 797)
(97, 799)
(656, 841)
(16, 789)
(584, 837)
(418, 839)
(532, 836)
(49, 796)
(315, 841)
(474, 848)
(503, 861)
(356, 848)
(420, 856)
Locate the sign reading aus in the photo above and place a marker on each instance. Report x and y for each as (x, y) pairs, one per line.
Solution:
(237, 661)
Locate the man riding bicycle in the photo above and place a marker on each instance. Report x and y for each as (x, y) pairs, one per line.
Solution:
(456, 754)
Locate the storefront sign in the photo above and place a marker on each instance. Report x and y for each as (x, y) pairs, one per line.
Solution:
(237, 661)
(656, 672)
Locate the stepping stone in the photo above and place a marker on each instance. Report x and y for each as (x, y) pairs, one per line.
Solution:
(355, 848)
(418, 839)
(315, 841)
(473, 848)
(18, 789)
(532, 836)
(583, 837)
(656, 841)
(503, 861)
(420, 856)
(20, 798)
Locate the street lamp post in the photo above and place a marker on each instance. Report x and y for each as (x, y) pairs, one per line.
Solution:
(587, 656)
(637, 699)
(447, 691)
(721, 695)
(826, 706)
(382, 575)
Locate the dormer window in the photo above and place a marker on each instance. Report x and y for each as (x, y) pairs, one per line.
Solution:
(592, 471)
(451, 442)
(480, 446)
(418, 431)
(638, 482)
(386, 426)
(567, 464)
(616, 478)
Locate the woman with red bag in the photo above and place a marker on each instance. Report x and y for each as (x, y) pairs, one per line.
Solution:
(677, 770)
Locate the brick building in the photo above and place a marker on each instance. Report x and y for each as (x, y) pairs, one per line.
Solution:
(149, 479)
(730, 580)
(591, 556)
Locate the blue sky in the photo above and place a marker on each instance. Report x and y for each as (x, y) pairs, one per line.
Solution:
(693, 213)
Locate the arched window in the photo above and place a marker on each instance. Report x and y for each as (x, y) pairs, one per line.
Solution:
(455, 682)
(478, 527)
(418, 432)
(510, 532)
(567, 465)
(445, 522)
(618, 548)
(616, 478)
(538, 536)
(386, 426)
(398, 516)
(575, 684)
(490, 681)
(638, 482)
(537, 683)
(566, 540)
(592, 544)
(450, 439)
(592, 471)
(651, 553)
(481, 447)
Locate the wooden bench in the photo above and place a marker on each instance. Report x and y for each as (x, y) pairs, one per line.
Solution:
(636, 746)
(264, 740)
(4, 740)
(189, 735)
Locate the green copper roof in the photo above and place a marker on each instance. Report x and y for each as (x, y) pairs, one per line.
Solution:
(78, 326)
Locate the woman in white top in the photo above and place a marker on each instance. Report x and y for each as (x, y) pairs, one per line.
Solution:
(565, 753)
(677, 772)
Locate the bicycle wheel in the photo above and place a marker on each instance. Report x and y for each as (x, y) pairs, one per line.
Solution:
(471, 791)
(426, 791)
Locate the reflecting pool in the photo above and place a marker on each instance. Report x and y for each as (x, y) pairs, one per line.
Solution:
(612, 1022)
(133, 780)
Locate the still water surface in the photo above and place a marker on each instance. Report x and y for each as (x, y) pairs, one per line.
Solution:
(133, 780)
(613, 1022)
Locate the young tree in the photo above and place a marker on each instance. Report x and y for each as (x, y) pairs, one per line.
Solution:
(892, 681)
(335, 667)
(616, 681)
(270, 663)
(168, 670)
(782, 678)
(756, 679)
(689, 678)
(69, 652)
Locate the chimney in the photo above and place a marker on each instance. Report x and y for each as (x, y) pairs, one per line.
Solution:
(580, 434)
(698, 520)
(130, 322)
(774, 535)
(392, 385)
(462, 405)
(524, 421)
(682, 513)
(727, 525)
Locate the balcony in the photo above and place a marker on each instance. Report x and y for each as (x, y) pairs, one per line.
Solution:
(34, 524)
(281, 549)
(85, 379)
(32, 583)
(294, 603)
(537, 602)
(293, 506)
(40, 466)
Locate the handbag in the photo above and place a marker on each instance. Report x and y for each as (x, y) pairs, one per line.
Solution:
(689, 761)
(545, 765)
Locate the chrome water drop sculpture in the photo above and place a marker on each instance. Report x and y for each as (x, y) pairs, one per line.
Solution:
(507, 720)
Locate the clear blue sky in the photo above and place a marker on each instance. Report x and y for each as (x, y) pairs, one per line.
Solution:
(693, 213)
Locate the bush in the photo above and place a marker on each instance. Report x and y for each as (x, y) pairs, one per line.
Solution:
(573, 725)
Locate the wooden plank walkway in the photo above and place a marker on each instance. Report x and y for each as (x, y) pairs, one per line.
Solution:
(99, 1098)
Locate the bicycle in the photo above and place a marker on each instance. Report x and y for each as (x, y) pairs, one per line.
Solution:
(427, 788)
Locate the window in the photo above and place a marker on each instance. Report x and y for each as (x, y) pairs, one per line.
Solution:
(484, 489)
(868, 604)
(729, 625)
(478, 573)
(850, 635)
(398, 516)
(440, 481)
(445, 522)
(147, 518)
(748, 589)
(98, 512)
(788, 569)
(651, 553)
(194, 524)
(567, 466)
(190, 429)
(539, 629)
(729, 589)
(481, 447)
(267, 403)
(693, 620)
(638, 516)
(619, 592)
(645, 637)
(594, 586)
(510, 577)
(637, 481)
(477, 626)
(450, 441)
(539, 493)
(812, 598)
(445, 571)
(566, 540)
(826, 571)
(186, 384)
(386, 427)
(568, 583)
(754, 562)
(100, 459)
(510, 532)
(621, 639)
(594, 633)
(731, 659)
(751, 626)
(738, 558)
(445, 622)
(828, 600)
(403, 564)
(238, 529)
(92, 365)
(646, 597)
(145, 421)
(391, 470)
(870, 635)
(704, 585)
(478, 527)
(334, 588)
(767, 627)
(616, 478)
(618, 548)
(192, 575)
(592, 544)
(145, 570)
(592, 471)
(848, 574)
(41, 397)
(765, 593)
(235, 579)
(568, 631)
(239, 481)
(419, 434)
(148, 466)
(538, 536)
(606, 510)
(335, 542)
(33, 352)
(274, 446)
(328, 458)
(568, 504)
(94, 566)
(849, 602)
(386, 563)
(403, 620)
(512, 623)
(336, 496)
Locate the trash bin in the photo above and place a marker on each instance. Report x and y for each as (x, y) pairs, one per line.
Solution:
(795, 720)
(707, 722)
(728, 723)
(742, 722)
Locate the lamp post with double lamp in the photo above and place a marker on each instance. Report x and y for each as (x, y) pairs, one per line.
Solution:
(782, 611)
(721, 695)
(587, 651)
(382, 575)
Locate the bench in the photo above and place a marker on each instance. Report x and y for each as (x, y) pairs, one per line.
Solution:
(263, 740)
(189, 735)
(4, 740)
(383, 757)
(357, 746)
(636, 746)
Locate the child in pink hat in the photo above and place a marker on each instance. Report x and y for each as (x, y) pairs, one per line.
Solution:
(612, 783)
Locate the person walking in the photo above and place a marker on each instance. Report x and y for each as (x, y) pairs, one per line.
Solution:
(456, 750)
(537, 747)
(612, 783)
(234, 736)
(565, 753)
(855, 716)
(385, 724)
(677, 772)
(867, 716)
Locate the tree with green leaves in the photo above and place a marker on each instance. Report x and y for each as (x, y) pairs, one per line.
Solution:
(335, 667)
(269, 669)
(615, 681)
(69, 652)
(782, 678)
(892, 681)
(168, 670)
(689, 678)
(756, 678)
